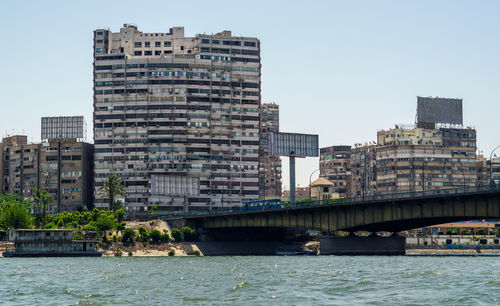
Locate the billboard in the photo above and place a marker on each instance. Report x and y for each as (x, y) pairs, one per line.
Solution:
(292, 144)
(439, 110)
(174, 185)
(63, 127)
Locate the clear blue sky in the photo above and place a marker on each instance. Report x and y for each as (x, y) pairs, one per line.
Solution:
(342, 69)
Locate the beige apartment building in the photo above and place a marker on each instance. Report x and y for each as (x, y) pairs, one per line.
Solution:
(269, 165)
(334, 165)
(167, 105)
(418, 159)
(61, 167)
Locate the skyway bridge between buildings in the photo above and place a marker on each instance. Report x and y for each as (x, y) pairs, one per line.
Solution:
(382, 213)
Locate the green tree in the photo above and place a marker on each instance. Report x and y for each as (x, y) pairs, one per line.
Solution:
(120, 227)
(14, 215)
(105, 222)
(143, 233)
(155, 235)
(177, 235)
(154, 209)
(117, 204)
(42, 197)
(189, 234)
(128, 235)
(120, 214)
(112, 187)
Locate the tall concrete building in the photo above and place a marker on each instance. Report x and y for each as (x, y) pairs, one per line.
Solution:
(62, 167)
(269, 165)
(334, 165)
(170, 105)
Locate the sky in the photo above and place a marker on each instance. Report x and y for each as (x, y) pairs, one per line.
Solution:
(340, 69)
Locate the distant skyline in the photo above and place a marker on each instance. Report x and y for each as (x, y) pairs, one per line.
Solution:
(341, 69)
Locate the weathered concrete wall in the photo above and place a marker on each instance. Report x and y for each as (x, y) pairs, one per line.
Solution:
(219, 248)
(353, 245)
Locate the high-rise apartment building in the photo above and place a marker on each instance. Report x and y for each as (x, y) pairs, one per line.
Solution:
(269, 165)
(166, 104)
(334, 165)
(62, 167)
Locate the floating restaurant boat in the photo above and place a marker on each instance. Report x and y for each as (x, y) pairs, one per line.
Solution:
(52, 243)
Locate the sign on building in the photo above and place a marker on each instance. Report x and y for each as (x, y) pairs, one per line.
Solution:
(439, 110)
(293, 144)
(174, 185)
(63, 127)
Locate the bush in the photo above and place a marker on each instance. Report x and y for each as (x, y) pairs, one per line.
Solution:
(165, 237)
(144, 243)
(118, 251)
(197, 253)
(155, 235)
(128, 235)
(143, 233)
(177, 235)
(115, 239)
(171, 252)
(130, 253)
(189, 234)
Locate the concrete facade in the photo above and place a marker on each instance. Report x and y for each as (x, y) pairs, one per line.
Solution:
(168, 104)
(62, 167)
(269, 166)
(334, 165)
(417, 159)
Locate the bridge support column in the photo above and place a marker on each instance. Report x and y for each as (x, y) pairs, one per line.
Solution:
(354, 245)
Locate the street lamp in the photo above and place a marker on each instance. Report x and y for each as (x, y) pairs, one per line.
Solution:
(491, 165)
(310, 181)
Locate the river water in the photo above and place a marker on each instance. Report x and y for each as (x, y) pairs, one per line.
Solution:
(252, 280)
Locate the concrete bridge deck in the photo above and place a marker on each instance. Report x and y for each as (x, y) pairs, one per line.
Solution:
(393, 213)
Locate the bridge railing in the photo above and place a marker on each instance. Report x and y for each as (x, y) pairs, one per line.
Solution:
(342, 201)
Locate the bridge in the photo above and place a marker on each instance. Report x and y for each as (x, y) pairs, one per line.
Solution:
(392, 212)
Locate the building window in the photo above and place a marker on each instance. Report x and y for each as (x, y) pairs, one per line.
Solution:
(215, 42)
(138, 44)
(137, 52)
(205, 41)
(250, 44)
(167, 43)
(98, 50)
(157, 43)
(182, 47)
(99, 41)
(148, 52)
(158, 52)
(99, 33)
(147, 44)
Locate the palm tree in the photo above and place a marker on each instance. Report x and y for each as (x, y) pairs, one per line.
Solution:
(112, 187)
(42, 198)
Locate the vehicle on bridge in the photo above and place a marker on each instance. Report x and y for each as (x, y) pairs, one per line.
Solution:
(262, 204)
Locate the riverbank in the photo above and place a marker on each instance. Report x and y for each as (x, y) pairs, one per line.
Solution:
(429, 251)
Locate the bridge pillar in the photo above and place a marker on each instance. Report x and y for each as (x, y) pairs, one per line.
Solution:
(292, 180)
(354, 245)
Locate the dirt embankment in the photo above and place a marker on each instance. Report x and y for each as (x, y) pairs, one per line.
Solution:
(150, 249)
